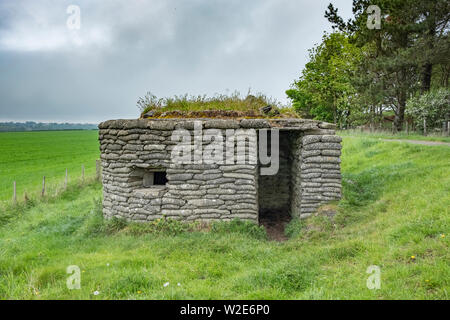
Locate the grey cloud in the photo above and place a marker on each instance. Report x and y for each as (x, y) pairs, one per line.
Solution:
(167, 47)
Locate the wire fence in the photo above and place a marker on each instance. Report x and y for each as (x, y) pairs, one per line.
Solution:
(54, 189)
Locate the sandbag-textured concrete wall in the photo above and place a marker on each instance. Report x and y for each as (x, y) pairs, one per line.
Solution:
(320, 172)
(193, 191)
(130, 149)
(296, 178)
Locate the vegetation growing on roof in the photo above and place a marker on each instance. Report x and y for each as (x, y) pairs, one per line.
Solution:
(217, 106)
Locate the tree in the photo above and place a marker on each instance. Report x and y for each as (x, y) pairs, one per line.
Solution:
(432, 106)
(413, 38)
(324, 89)
(432, 46)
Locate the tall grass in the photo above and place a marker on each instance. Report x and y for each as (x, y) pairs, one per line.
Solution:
(232, 105)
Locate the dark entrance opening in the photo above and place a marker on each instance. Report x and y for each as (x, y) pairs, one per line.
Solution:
(275, 191)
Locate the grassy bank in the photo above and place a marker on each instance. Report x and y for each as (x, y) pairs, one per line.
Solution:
(395, 215)
(25, 157)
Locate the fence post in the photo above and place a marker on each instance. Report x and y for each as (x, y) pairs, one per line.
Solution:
(15, 193)
(82, 173)
(43, 187)
(97, 169)
(448, 128)
(66, 180)
(424, 127)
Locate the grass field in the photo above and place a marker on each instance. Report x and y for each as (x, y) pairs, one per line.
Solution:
(400, 135)
(395, 215)
(28, 156)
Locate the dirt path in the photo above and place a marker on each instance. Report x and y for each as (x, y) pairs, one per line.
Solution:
(275, 225)
(422, 142)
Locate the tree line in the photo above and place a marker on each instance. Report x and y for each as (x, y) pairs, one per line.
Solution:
(35, 126)
(359, 74)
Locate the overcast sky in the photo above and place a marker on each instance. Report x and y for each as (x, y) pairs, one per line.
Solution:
(49, 72)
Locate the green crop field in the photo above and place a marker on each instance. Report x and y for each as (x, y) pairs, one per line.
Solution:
(395, 215)
(25, 157)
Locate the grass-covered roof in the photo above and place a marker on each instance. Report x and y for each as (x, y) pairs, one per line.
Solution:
(218, 106)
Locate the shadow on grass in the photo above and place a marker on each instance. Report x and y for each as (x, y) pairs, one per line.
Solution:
(362, 191)
(367, 186)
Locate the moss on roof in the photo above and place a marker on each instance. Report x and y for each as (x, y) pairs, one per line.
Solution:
(219, 106)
